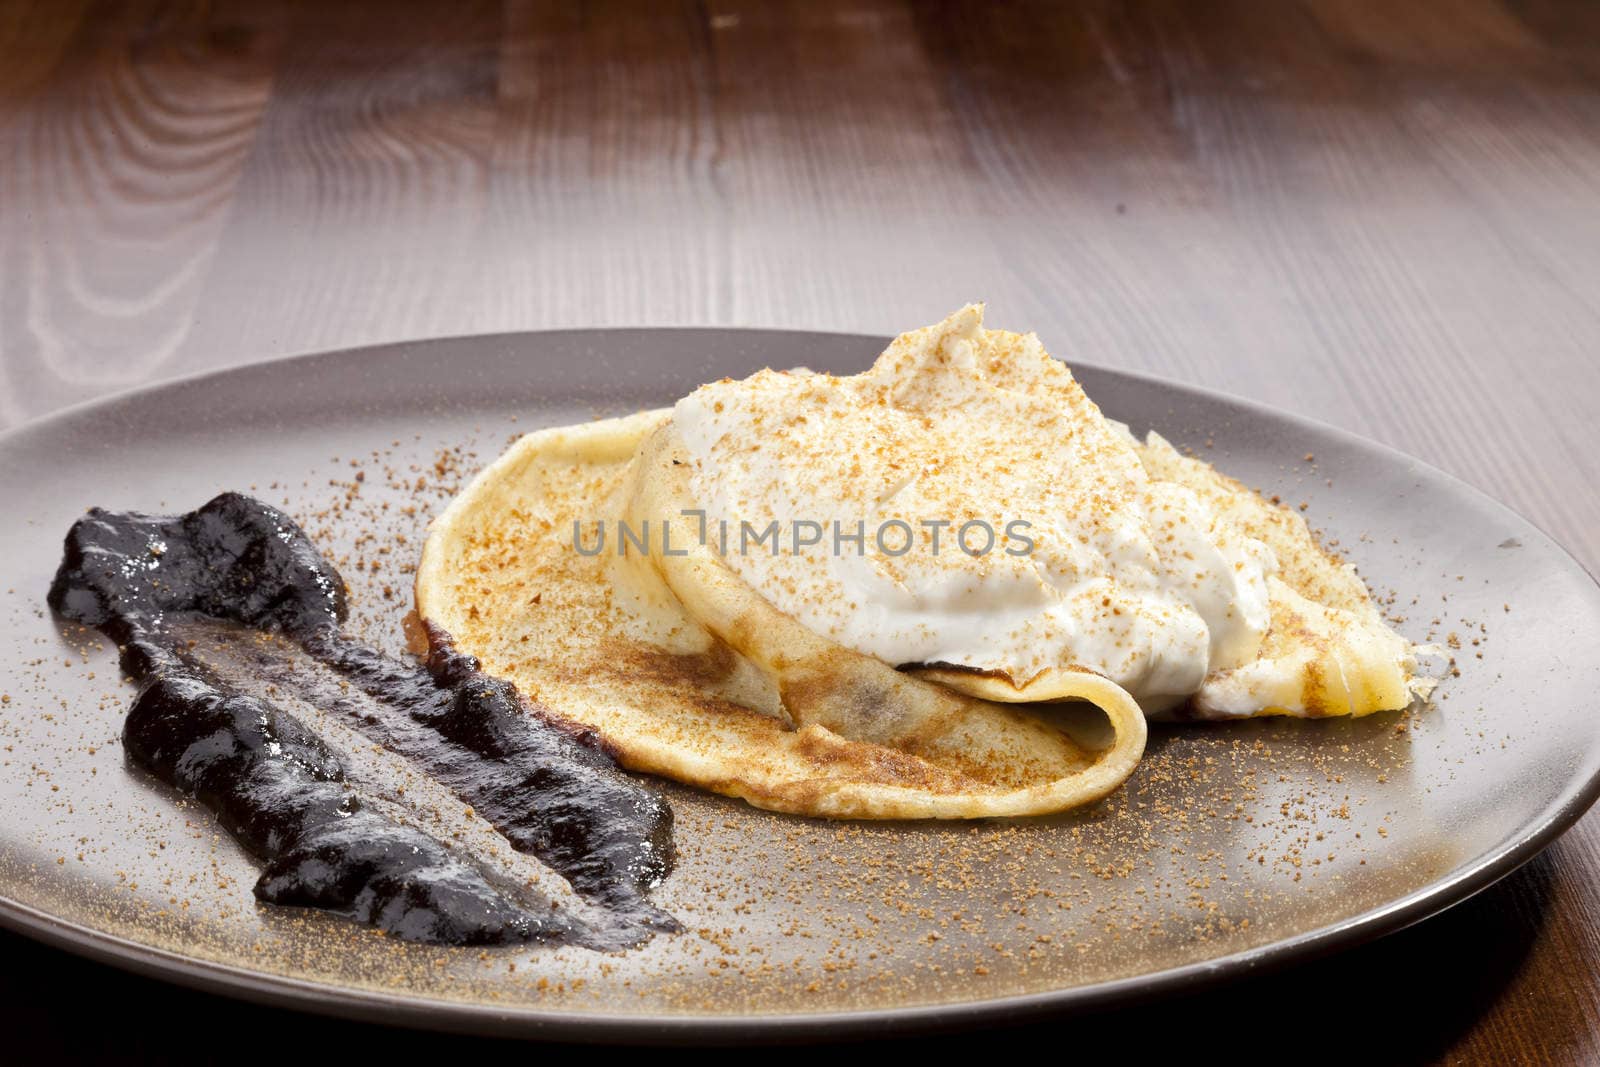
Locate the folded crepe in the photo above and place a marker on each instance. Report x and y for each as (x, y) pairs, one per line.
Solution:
(666, 647)
(688, 673)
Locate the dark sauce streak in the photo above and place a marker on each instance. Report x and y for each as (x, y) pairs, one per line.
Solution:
(610, 837)
(547, 786)
(282, 794)
(959, 668)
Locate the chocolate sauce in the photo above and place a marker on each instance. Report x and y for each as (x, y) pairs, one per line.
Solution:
(547, 785)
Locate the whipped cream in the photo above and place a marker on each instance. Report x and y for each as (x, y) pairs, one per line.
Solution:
(1094, 564)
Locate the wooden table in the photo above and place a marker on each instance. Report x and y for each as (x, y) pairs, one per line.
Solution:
(1383, 215)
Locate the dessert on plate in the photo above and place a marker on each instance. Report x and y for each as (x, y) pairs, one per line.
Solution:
(945, 587)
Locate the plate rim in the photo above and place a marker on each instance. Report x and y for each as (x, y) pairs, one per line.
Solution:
(421, 1012)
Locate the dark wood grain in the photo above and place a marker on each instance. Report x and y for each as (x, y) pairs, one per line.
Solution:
(1383, 215)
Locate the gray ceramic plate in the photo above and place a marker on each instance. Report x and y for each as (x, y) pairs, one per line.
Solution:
(1232, 847)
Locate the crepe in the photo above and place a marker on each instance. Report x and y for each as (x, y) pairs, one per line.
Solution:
(1160, 588)
(687, 673)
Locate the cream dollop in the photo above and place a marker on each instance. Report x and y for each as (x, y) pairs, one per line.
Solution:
(1093, 564)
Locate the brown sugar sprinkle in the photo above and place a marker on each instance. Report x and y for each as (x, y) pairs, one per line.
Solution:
(869, 441)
